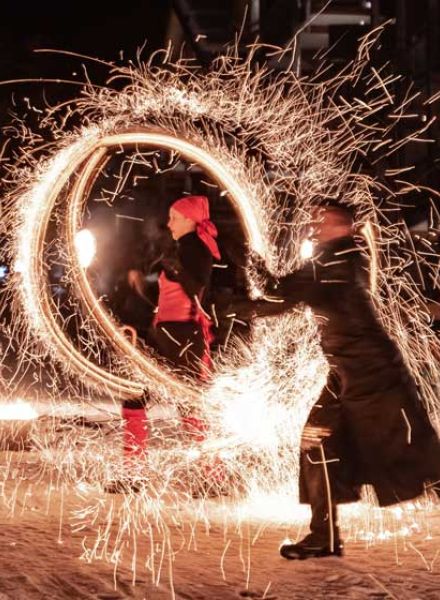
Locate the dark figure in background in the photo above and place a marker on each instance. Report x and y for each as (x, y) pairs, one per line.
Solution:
(368, 426)
(181, 331)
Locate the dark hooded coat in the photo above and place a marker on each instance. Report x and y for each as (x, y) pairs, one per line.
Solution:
(381, 433)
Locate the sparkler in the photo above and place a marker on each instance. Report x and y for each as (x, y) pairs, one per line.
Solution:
(303, 141)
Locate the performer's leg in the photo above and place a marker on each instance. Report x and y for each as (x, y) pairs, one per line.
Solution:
(135, 425)
(319, 467)
(135, 445)
(195, 427)
(317, 476)
(184, 347)
(134, 416)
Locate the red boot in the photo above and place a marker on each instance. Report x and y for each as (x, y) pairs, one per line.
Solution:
(135, 432)
(195, 428)
(212, 470)
(135, 439)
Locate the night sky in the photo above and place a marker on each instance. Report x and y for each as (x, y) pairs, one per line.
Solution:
(98, 30)
(115, 33)
(94, 28)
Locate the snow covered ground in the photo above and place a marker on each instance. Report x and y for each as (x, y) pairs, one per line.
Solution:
(63, 539)
(40, 559)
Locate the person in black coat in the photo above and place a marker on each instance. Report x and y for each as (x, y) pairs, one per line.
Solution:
(369, 425)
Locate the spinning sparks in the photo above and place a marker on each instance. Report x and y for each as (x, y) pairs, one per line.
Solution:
(271, 146)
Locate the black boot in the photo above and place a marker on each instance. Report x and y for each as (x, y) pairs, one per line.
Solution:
(313, 546)
(316, 480)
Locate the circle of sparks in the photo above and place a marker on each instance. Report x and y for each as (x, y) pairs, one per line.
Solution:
(273, 145)
(31, 244)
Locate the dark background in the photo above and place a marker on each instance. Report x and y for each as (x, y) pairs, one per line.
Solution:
(115, 33)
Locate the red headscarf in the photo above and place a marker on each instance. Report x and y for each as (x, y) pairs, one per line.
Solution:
(196, 208)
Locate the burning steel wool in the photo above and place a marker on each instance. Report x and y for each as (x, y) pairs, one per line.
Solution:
(272, 144)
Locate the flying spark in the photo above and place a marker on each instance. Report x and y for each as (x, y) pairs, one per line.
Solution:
(272, 146)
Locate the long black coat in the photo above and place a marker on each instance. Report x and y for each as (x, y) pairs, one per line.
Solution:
(388, 440)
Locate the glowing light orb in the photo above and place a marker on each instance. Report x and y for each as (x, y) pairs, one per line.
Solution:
(306, 250)
(19, 410)
(85, 245)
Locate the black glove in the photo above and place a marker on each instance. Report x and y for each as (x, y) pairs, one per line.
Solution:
(257, 263)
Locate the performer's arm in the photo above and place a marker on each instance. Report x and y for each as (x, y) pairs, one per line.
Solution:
(281, 294)
(298, 286)
(191, 267)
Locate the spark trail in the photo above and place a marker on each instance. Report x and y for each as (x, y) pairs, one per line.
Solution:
(273, 144)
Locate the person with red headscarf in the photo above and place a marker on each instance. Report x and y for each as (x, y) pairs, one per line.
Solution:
(181, 327)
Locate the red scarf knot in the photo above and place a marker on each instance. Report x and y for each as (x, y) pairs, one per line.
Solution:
(196, 208)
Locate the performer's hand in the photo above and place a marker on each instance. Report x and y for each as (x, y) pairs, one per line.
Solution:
(135, 280)
(312, 436)
(257, 263)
